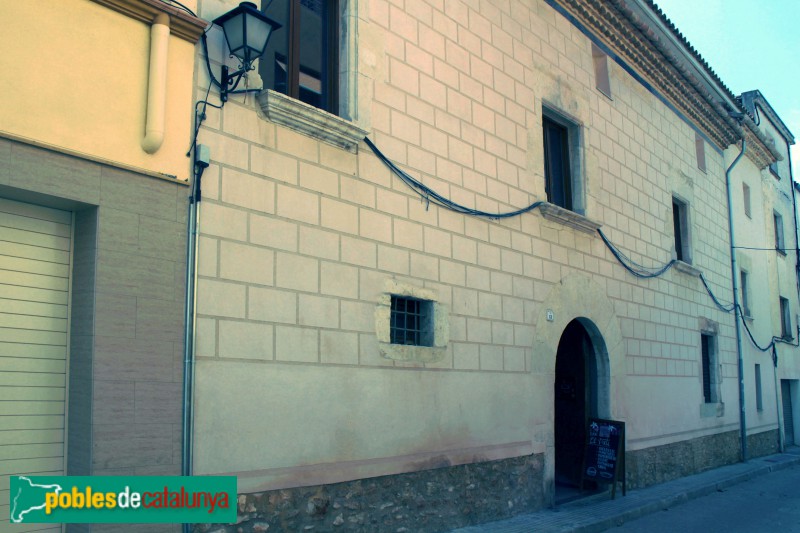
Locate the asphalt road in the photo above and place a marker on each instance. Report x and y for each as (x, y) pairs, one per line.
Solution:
(769, 503)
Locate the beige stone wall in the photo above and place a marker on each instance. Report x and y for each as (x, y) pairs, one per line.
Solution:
(299, 239)
(78, 73)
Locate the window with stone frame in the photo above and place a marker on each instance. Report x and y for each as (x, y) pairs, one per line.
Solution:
(786, 319)
(411, 321)
(709, 368)
(562, 161)
(602, 78)
(745, 288)
(302, 58)
(681, 230)
(746, 200)
(780, 245)
(700, 150)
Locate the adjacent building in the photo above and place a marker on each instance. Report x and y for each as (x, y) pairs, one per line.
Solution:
(766, 239)
(93, 200)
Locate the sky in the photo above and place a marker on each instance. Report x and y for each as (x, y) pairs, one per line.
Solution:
(750, 45)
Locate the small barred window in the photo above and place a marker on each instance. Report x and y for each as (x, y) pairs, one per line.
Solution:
(411, 321)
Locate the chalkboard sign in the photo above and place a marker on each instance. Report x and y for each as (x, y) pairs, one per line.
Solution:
(604, 454)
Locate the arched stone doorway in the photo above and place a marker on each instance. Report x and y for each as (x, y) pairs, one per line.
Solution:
(580, 391)
(576, 298)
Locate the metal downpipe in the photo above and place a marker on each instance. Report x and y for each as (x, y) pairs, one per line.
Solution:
(736, 308)
(189, 329)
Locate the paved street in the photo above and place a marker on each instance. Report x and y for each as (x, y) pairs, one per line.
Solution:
(766, 503)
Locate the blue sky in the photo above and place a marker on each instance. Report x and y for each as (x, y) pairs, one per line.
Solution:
(750, 45)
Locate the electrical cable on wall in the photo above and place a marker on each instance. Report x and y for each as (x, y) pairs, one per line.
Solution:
(430, 196)
(640, 271)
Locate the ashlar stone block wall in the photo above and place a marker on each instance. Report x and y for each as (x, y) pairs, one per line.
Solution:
(300, 238)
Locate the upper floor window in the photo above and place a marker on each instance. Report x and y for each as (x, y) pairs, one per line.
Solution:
(602, 79)
(779, 242)
(700, 149)
(302, 60)
(746, 198)
(680, 224)
(709, 368)
(773, 167)
(786, 319)
(745, 287)
(562, 161)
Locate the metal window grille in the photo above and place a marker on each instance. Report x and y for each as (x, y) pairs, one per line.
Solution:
(411, 321)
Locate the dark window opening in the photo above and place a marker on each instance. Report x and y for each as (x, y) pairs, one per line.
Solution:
(773, 167)
(302, 58)
(759, 399)
(779, 242)
(708, 362)
(786, 319)
(680, 228)
(745, 282)
(558, 179)
(411, 321)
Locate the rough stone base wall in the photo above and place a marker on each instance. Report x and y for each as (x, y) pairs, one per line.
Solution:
(664, 463)
(760, 444)
(426, 501)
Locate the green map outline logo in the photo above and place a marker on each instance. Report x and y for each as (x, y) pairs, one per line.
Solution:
(15, 501)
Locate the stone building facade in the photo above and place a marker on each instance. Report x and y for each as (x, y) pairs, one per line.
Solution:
(310, 244)
(316, 256)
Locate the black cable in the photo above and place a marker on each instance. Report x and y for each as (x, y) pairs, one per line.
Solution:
(753, 339)
(430, 196)
(214, 79)
(723, 307)
(202, 117)
(642, 271)
(181, 6)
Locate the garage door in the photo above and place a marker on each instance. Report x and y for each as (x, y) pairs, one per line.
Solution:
(35, 248)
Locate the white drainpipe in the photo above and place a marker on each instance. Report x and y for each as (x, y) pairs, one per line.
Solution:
(157, 84)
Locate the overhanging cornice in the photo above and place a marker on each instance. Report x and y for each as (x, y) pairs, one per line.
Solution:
(674, 71)
(182, 24)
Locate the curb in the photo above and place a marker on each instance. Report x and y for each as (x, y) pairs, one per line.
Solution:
(579, 519)
(683, 497)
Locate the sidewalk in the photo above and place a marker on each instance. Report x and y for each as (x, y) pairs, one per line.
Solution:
(592, 515)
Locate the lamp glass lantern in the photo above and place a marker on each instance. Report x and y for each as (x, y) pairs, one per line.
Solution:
(247, 31)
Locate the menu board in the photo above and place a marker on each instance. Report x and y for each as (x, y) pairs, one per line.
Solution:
(604, 452)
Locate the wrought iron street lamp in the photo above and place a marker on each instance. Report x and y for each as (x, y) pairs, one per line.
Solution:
(247, 31)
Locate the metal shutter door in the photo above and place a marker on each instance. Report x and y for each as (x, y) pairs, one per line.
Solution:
(35, 248)
(788, 416)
